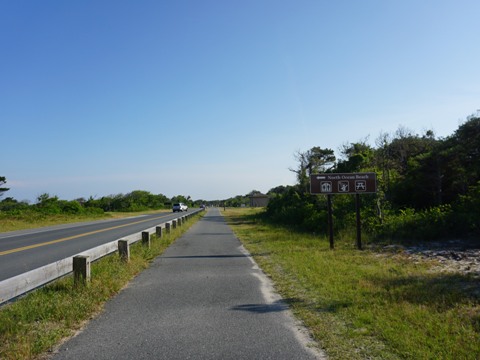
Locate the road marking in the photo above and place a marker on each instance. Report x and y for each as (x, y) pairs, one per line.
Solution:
(6, 252)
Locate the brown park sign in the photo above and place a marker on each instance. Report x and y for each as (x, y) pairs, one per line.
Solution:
(349, 183)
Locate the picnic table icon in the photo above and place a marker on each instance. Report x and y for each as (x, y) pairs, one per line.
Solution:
(360, 185)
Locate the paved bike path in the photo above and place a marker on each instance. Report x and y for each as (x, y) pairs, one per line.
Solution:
(204, 298)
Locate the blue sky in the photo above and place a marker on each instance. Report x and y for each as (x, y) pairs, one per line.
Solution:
(212, 98)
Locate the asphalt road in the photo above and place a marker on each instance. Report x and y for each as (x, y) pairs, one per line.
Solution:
(21, 251)
(204, 298)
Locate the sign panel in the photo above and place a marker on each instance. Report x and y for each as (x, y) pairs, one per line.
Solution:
(350, 183)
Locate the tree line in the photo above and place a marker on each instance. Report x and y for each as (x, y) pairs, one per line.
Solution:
(428, 187)
(138, 200)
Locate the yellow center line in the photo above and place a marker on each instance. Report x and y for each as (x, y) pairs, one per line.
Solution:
(6, 252)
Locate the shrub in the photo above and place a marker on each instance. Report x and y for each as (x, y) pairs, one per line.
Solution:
(70, 207)
(408, 224)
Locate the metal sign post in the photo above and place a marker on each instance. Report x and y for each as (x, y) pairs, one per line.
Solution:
(330, 220)
(344, 183)
(359, 222)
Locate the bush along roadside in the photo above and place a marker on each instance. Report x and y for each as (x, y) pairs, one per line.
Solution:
(37, 322)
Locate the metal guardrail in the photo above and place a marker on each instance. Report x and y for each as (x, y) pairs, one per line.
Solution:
(21, 284)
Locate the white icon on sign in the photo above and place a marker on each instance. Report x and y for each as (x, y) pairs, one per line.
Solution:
(343, 186)
(326, 186)
(360, 185)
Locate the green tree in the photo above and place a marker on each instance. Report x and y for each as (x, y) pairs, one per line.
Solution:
(278, 190)
(3, 181)
(459, 157)
(403, 159)
(182, 199)
(10, 204)
(48, 204)
(313, 161)
(357, 157)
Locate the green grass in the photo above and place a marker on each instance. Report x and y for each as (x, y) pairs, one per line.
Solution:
(35, 219)
(36, 323)
(365, 304)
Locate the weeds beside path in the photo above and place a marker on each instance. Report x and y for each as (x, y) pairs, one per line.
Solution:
(35, 324)
(359, 305)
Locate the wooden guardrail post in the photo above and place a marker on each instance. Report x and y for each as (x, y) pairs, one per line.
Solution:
(174, 224)
(180, 221)
(167, 227)
(81, 270)
(124, 250)
(146, 238)
(158, 231)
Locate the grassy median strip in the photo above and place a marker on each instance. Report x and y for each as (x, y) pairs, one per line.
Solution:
(32, 219)
(365, 304)
(36, 323)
